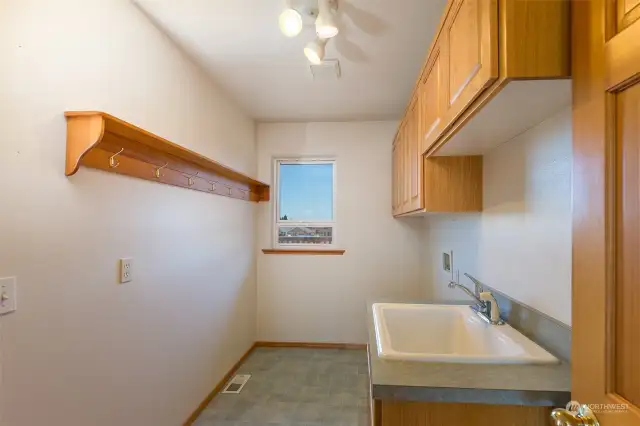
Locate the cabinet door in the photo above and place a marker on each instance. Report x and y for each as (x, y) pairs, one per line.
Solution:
(469, 43)
(415, 156)
(394, 177)
(402, 175)
(432, 101)
(398, 172)
(407, 166)
(628, 13)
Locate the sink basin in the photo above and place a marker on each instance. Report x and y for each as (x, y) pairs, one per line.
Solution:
(450, 333)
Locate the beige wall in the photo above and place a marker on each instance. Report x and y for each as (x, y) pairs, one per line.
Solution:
(521, 243)
(81, 349)
(322, 298)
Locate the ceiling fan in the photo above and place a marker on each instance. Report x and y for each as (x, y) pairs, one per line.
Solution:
(324, 14)
(291, 24)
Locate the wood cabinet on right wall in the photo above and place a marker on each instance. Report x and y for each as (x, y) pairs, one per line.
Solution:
(491, 71)
(469, 45)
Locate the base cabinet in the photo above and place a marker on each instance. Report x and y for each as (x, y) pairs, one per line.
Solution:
(404, 413)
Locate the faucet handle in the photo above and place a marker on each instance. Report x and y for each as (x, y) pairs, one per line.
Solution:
(476, 283)
(478, 288)
(492, 304)
(487, 296)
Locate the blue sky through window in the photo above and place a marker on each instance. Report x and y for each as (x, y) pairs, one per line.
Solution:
(306, 192)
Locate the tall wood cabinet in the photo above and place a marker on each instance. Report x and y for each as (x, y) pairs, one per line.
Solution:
(480, 47)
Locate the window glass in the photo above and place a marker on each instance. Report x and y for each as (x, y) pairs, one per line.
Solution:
(306, 192)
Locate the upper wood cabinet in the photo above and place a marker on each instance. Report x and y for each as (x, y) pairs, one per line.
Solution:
(468, 44)
(628, 13)
(407, 165)
(444, 184)
(394, 177)
(483, 47)
(400, 182)
(414, 156)
(494, 69)
(432, 101)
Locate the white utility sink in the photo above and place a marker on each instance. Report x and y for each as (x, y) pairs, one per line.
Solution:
(450, 333)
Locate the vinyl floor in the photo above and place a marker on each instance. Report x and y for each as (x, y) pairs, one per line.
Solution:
(296, 387)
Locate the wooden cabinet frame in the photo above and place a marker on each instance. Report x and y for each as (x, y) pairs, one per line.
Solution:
(479, 48)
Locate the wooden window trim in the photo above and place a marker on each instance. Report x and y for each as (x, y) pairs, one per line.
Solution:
(277, 162)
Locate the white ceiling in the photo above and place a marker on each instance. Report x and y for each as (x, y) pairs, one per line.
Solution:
(381, 47)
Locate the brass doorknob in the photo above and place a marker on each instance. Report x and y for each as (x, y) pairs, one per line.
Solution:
(583, 417)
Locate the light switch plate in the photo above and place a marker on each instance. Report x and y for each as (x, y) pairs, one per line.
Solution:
(8, 295)
(126, 270)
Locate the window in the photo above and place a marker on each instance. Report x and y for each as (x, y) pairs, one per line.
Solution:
(305, 203)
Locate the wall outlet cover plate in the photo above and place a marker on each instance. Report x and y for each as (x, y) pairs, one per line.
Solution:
(8, 295)
(126, 270)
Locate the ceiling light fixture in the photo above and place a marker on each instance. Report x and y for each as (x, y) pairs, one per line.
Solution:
(315, 51)
(326, 26)
(290, 22)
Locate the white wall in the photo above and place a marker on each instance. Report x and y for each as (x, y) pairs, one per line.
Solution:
(81, 349)
(521, 243)
(322, 298)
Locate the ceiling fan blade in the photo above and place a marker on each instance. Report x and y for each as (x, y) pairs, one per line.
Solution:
(363, 19)
(349, 50)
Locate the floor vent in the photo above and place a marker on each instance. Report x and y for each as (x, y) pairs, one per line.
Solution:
(237, 383)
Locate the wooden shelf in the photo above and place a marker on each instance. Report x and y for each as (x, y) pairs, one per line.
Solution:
(101, 141)
(313, 252)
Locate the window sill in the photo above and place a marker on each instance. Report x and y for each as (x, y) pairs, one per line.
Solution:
(312, 252)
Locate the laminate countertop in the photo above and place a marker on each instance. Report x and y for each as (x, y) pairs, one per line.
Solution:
(538, 385)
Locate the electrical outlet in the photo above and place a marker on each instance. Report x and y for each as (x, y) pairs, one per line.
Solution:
(126, 270)
(8, 295)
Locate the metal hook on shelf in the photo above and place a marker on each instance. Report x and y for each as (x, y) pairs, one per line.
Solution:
(190, 179)
(213, 186)
(229, 188)
(113, 163)
(159, 169)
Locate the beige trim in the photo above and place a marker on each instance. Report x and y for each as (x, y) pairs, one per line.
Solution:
(317, 345)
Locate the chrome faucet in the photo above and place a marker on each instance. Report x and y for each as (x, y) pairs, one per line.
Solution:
(492, 311)
(471, 294)
(486, 307)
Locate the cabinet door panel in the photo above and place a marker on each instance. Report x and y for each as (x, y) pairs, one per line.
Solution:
(406, 168)
(394, 178)
(627, 291)
(401, 170)
(470, 50)
(628, 13)
(432, 102)
(415, 155)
